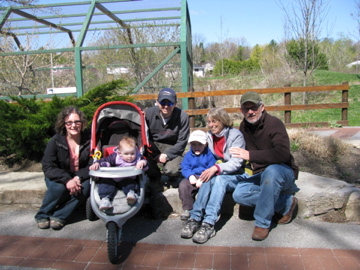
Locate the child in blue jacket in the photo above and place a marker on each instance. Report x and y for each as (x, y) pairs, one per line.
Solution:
(195, 161)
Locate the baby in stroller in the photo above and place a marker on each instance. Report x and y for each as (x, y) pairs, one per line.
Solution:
(125, 155)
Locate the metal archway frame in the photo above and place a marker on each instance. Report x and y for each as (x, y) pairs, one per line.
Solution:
(78, 30)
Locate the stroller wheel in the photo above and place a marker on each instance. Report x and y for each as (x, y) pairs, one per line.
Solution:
(90, 214)
(113, 242)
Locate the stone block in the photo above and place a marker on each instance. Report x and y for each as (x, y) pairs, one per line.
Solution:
(319, 195)
(352, 211)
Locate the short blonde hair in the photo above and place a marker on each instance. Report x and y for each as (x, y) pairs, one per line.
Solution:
(221, 115)
(127, 141)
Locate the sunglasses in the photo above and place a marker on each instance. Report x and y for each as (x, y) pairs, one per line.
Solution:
(253, 108)
(166, 103)
(70, 123)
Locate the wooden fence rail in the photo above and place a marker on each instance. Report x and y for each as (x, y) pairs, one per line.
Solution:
(287, 107)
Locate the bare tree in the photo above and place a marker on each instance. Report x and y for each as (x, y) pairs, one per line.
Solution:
(356, 17)
(303, 20)
(140, 61)
(222, 36)
(198, 49)
(17, 2)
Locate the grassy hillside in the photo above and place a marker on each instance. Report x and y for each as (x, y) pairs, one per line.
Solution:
(332, 115)
(319, 78)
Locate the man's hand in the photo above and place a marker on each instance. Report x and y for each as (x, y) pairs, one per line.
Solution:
(239, 153)
(163, 158)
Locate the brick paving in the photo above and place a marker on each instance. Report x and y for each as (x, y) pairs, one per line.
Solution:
(55, 253)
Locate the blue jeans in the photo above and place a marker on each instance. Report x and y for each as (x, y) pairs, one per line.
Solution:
(269, 191)
(108, 187)
(211, 194)
(58, 204)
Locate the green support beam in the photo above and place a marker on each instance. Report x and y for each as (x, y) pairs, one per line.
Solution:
(16, 21)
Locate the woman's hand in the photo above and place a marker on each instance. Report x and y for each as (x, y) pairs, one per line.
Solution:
(239, 153)
(208, 173)
(74, 186)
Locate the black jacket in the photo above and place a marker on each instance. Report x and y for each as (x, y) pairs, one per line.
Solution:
(56, 159)
(175, 132)
(268, 143)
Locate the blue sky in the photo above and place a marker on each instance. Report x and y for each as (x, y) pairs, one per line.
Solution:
(260, 21)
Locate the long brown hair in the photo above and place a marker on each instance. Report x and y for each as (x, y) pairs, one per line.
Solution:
(60, 122)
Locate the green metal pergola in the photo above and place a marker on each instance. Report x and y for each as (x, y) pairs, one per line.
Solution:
(101, 15)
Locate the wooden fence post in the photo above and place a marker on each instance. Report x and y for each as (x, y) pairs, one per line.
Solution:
(287, 101)
(191, 102)
(344, 97)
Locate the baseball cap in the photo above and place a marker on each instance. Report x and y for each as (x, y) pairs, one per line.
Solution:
(198, 136)
(250, 97)
(167, 93)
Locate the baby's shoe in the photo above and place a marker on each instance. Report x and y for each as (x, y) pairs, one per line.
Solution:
(105, 204)
(131, 197)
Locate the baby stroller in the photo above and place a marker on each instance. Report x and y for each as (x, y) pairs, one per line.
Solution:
(111, 121)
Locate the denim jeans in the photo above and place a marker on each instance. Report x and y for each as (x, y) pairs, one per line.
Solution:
(211, 194)
(269, 191)
(58, 204)
(108, 187)
(171, 168)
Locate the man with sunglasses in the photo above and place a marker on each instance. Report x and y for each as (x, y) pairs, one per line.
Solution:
(169, 132)
(271, 187)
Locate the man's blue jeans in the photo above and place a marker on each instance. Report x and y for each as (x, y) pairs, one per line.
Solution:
(211, 195)
(58, 204)
(269, 191)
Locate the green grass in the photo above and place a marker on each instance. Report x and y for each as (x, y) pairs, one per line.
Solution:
(323, 77)
(331, 115)
(320, 77)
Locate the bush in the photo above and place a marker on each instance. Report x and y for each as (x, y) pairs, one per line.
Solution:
(28, 124)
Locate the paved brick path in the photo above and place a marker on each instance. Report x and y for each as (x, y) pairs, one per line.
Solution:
(54, 253)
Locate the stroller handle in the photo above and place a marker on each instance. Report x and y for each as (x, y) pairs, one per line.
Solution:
(114, 172)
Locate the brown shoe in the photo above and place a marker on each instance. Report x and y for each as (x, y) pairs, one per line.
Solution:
(43, 224)
(56, 225)
(260, 234)
(289, 215)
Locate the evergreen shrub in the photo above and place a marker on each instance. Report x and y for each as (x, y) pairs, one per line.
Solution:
(28, 124)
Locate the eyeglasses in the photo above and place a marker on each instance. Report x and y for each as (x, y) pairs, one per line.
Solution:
(253, 108)
(166, 103)
(212, 121)
(70, 123)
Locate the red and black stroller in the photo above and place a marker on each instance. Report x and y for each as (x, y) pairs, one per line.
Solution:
(111, 121)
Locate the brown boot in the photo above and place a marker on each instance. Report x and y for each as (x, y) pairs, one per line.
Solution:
(289, 215)
(260, 234)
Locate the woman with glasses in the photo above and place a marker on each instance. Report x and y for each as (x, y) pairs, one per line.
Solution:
(218, 179)
(65, 164)
(168, 134)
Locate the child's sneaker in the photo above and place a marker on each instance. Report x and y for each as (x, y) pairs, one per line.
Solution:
(105, 204)
(131, 197)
